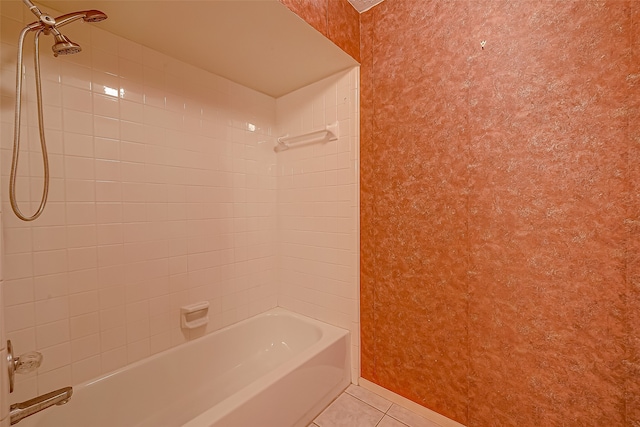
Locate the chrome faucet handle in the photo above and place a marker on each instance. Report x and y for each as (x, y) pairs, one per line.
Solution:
(28, 362)
(22, 364)
(12, 366)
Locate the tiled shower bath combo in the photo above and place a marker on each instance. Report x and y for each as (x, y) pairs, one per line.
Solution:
(165, 191)
(463, 220)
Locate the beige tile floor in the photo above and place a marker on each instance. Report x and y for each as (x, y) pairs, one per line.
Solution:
(359, 407)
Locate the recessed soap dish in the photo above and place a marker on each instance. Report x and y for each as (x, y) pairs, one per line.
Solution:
(194, 315)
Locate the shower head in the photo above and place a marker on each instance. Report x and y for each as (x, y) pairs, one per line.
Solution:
(64, 46)
(94, 16)
(86, 15)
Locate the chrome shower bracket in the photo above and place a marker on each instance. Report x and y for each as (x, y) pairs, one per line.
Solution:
(48, 23)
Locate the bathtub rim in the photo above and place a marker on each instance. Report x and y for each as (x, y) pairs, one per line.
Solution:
(330, 339)
(330, 333)
(325, 328)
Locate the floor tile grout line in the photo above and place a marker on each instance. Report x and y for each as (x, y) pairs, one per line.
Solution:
(367, 403)
(384, 413)
(357, 398)
(398, 420)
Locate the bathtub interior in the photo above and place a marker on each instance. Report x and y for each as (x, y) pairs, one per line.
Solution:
(219, 379)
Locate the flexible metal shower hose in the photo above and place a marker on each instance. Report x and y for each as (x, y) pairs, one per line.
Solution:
(16, 132)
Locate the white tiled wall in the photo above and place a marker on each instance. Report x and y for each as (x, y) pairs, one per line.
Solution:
(162, 194)
(165, 190)
(318, 207)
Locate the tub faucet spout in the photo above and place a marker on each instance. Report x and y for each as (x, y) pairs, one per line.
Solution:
(21, 410)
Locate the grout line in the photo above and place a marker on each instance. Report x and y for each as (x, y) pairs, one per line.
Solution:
(353, 395)
(367, 403)
(409, 405)
(386, 412)
(385, 415)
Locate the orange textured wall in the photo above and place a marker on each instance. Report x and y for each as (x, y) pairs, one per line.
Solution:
(500, 209)
(414, 186)
(633, 251)
(367, 188)
(335, 19)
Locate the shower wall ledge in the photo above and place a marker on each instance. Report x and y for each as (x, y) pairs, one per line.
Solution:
(261, 45)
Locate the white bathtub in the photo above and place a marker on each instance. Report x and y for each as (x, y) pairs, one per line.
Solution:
(277, 369)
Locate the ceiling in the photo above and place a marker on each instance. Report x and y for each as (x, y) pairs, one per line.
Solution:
(260, 44)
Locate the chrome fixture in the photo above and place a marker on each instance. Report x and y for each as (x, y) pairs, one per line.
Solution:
(62, 46)
(18, 411)
(86, 15)
(23, 364)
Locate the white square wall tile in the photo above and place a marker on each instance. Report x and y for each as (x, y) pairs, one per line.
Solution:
(81, 236)
(138, 350)
(18, 240)
(82, 280)
(112, 338)
(111, 360)
(51, 310)
(80, 190)
(50, 286)
(107, 170)
(85, 347)
(49, 262)
(106, 148)
(84, 325)
(103, 213)
(17, 266)
(106, 127)
(83, 303)
(107, 63)
(54, 357)
(49, 238)
(19, 291)
(78, 99)
(82, 258)
(53, 333)
(19, 317)
(78, 122)
(54, 379)
(79, 168)
(85, 369)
